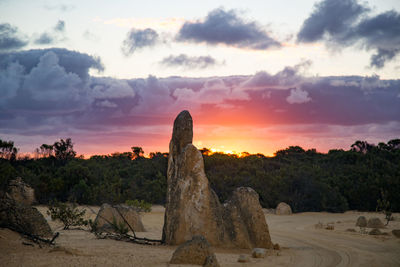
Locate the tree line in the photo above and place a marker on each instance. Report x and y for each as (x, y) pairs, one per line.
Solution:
(336, 181)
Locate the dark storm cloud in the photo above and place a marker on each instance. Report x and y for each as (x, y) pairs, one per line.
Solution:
(226, 27)
(71, 61)
(50, 90)
(345, 23)
(330, 18)
(138, 39)
(188, 62)
(9, 38)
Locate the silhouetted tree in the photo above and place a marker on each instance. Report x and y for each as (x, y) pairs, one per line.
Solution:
(64, 149)
(7, 150)
(137, 152)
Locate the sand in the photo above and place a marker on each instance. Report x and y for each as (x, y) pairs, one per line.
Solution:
(302, 244)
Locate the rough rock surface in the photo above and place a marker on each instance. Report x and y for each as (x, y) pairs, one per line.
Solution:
(193, 208)
(283, 209)
(107, 213)
(243, 258)
(245, 223)
(195, 251)
(361, 221)
(396, 232)
(258, 253)
(23, 218)
(375, 223)
(21, 192)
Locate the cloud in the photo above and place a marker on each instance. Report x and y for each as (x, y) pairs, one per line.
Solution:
(138, 39)
(9, 38)
(188, 62)
(59, 7)
(44, 38)
(71, 61)
(298, 96)
(330, 19)
(226, 27)
(49, 92)
(346, 23)
(60, 26)
(52, 37)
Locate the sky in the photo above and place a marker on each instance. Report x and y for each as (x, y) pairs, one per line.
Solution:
(257, 76)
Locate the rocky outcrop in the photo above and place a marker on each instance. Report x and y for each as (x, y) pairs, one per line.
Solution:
(196, 251)
(283, 209)
(375, 223)
(109, 214)
(21, 192)
(23, 218)
(361, 221)
(244, 220)
(193, 208)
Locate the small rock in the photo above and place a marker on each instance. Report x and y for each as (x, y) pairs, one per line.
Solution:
(283, 209)
(108, 214)
(258, 253)
(375, 223)
(351, 230)
(243, 258)
(195, 251)
(361, 221)
(375, 231)
(330, 227)
(277, 247)
(396, 232)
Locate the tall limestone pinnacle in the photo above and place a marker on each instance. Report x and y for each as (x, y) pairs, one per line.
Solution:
(193, 208)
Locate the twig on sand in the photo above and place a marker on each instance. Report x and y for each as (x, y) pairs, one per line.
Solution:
(125, 237)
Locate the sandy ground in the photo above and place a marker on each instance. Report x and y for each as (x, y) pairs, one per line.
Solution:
(302, 244)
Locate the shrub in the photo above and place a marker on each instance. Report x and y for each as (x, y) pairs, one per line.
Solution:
(139, 206)
(67, 213)
(119, 227)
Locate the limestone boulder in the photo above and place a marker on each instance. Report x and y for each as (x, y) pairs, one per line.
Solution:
(258, 253)
(193, 208)
(396, 232)
(21, 192)
(375, 223)
(195, 251)
(23, 218)
(361, 221)
(109, 214)
(244, 220)
(283, 209)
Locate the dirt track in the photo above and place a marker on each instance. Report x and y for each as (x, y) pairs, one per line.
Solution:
(301, 245)
(308, 246)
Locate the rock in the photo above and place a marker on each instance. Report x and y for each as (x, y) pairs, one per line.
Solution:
(107, 213)
(193, 208)
(244, 220)
(195, 251)
(375, 231)
(283, 209)
(21, 192)
(361, 221)
(375, 223)
(211, 261)
(396, 232)
(243, 258)
(276, 246)
(351, 230)
(23, 218)
(258, 253)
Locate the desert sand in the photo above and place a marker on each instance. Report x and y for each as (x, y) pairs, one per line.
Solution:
(302, 244)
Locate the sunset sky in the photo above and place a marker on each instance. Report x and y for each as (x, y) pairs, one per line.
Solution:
(257, 76)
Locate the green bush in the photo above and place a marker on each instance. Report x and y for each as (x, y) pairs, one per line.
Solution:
(67, 213)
